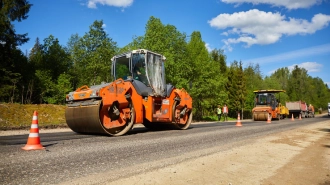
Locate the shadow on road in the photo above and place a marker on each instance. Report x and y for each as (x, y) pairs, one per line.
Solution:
(44, 137)
(327, 146)
(325, 129)
(325, 183)
(50, 144)
(323, 116)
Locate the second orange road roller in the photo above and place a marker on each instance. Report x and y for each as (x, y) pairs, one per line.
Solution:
(138, 95)
(266, 104)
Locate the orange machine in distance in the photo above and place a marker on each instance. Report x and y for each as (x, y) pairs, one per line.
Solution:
(266, 104)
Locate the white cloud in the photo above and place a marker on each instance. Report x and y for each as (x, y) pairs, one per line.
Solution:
(312, 51)
(104, 25)
(271, 72)
(259, 27)
(116, 3)
(227, 46)
(225, 33)
(309, 66)
(289, 4)
(209, 49)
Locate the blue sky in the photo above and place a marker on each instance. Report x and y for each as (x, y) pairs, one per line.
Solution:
(272, 33)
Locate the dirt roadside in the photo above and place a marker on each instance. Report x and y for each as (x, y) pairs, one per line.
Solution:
(300, 156)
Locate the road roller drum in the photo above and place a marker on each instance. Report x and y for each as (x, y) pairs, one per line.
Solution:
(260, 116)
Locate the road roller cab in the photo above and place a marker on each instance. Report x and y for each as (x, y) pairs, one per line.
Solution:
(138, 95)
(266, 104)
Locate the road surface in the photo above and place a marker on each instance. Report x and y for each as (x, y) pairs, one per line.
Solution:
(282, 152)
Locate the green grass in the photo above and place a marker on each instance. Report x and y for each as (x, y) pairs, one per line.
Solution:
(215, 118)
(18, 116)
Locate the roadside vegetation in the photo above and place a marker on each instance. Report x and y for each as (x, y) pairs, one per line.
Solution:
(50, 70)
(19, 116)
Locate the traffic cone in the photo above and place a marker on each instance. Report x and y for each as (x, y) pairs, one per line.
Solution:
(292, 117)
(238, 123)
(299, 116)
(268, 119)
(33, 142)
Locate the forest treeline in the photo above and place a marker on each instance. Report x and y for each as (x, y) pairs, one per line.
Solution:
(50, 70)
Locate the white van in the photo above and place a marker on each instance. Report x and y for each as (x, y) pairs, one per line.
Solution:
(328, 109)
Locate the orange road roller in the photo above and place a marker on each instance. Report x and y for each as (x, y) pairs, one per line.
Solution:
(138, 95)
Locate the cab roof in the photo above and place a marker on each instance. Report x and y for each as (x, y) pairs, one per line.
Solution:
(136, 51)
(268, 91)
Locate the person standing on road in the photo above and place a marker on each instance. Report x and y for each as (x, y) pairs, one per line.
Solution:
(225, 113)
(219, 112)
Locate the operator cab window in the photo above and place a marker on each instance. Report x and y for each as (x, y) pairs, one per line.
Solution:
(122, 68)
(261, 99)
(139, 68)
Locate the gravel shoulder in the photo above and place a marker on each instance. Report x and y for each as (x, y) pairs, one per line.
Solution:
(298, 156)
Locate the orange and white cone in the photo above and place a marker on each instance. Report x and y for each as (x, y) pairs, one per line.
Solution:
(238, 123)
(299, 116)
(33, 142)
(292, 117)
(268, 119)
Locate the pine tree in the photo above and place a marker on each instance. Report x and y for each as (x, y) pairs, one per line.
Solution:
(10, 56)
(92, 55)
(236, 88)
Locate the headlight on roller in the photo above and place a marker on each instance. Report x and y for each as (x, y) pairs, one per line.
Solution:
(69, 97)
(95, 93)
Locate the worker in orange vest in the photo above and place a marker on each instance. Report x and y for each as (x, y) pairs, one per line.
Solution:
(225, 113)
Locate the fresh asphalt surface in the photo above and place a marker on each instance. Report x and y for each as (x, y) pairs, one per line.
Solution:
(69, 156)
